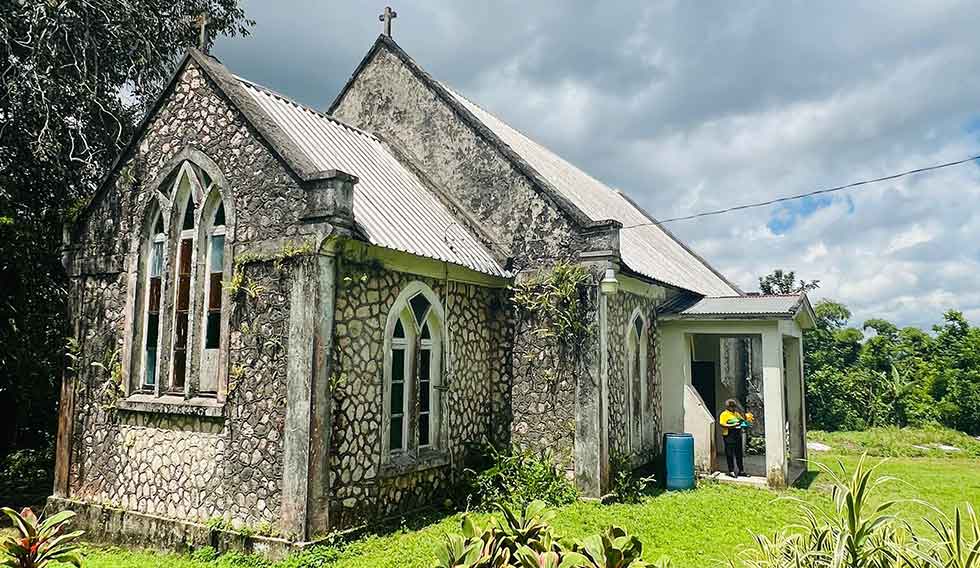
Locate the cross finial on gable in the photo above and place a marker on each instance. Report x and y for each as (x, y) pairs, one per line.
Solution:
(202, 21)
(387, 17)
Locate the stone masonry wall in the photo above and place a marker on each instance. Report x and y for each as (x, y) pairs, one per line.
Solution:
(361, 486)
(170, 463)
(621, 308)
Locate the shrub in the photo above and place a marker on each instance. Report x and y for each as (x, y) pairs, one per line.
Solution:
(857, 533)
(525, 539)
(519, 477)
(40, 543)
(628, 486)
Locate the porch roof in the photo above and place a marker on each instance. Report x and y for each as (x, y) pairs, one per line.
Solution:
(748, 307)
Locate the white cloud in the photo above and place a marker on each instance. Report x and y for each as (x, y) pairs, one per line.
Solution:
(690, 106)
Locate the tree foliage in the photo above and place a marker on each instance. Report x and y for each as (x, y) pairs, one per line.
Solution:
(75, 76)
(881, 375)
(784, 282)
(886, 376)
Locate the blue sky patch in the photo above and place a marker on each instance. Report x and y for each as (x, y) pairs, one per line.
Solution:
(785, 217)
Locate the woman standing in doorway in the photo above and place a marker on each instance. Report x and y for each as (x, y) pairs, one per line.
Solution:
(732, 422)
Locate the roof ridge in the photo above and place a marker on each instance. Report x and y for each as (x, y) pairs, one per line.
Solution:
(569, 208)
(302, 106)
(524, 135)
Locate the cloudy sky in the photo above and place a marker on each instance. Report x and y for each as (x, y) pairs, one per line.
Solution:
(693, 106)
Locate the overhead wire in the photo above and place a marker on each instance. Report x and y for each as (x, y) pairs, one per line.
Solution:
(807, 194)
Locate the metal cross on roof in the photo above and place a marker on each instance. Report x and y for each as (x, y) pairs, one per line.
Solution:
(387, 17)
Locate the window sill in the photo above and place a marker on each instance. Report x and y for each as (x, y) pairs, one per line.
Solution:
(173, 404)
(413, 463)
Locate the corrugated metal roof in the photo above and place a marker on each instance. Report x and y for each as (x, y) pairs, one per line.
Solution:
(748, 306)
(647, 249)
(392, 206)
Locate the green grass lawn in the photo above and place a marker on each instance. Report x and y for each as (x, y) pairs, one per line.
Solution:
(695, 529)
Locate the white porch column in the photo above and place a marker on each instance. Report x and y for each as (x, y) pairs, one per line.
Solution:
(773, 388)
(675, 373)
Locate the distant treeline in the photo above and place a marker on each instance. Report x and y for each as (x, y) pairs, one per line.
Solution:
(881, 375)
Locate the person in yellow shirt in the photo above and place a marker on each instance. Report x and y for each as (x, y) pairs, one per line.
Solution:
(732, 420)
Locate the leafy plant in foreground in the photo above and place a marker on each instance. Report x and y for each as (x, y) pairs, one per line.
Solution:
(858, 532)
(40, 543)
(525, 539)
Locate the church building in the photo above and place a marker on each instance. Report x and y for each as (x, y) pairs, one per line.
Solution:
(295, 321)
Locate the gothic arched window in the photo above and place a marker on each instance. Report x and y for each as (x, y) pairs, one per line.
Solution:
(178, 331)
(152, 289)
(636, 379)
(413, 371)
(183, 274)
(213, 300)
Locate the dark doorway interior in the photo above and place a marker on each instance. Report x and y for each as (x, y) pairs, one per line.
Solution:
(703, 377)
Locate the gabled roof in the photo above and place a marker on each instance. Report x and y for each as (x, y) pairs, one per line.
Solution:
(393, 208)
(393, 205)
(783, 306)
(648, 250)
(645, 246)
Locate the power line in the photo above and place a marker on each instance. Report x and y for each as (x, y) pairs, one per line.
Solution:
(809, 194)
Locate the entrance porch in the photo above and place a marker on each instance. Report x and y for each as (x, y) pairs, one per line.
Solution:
(749, 348)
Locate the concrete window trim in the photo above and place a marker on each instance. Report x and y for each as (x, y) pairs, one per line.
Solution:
(406, 351)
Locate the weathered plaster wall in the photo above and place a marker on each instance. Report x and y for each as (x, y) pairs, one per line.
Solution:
(388, 99)
(362, 486)
(621, 308)
(168, 463)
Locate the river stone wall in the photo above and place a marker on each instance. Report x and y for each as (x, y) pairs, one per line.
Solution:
(362, 487)
(622, 306)
(172, 462)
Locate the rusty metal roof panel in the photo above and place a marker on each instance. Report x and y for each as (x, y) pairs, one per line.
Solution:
(392, 206)
(648, 249)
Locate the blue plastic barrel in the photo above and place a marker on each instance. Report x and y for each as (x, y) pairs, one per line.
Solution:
(679, 450)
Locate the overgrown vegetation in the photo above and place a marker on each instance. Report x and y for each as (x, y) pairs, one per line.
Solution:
(858, 532)
(518, 477)
(524, 538)
(557, 301)
(628, 485)
(65, 65)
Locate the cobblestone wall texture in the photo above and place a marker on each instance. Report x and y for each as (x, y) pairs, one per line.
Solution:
(361, 487)
(621, 308)
(174, 465)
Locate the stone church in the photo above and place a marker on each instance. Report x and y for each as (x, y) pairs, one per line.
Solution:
(304, 321)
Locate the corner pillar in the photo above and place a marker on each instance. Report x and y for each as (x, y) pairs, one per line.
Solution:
(774, 398)
(591, 433)
(321, 419)
(299, 389)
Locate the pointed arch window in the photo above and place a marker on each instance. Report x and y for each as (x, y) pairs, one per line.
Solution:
(636, 379)
(183, 273)
(153, 288)
(413, 372)
(178, 333)
(213, 300)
